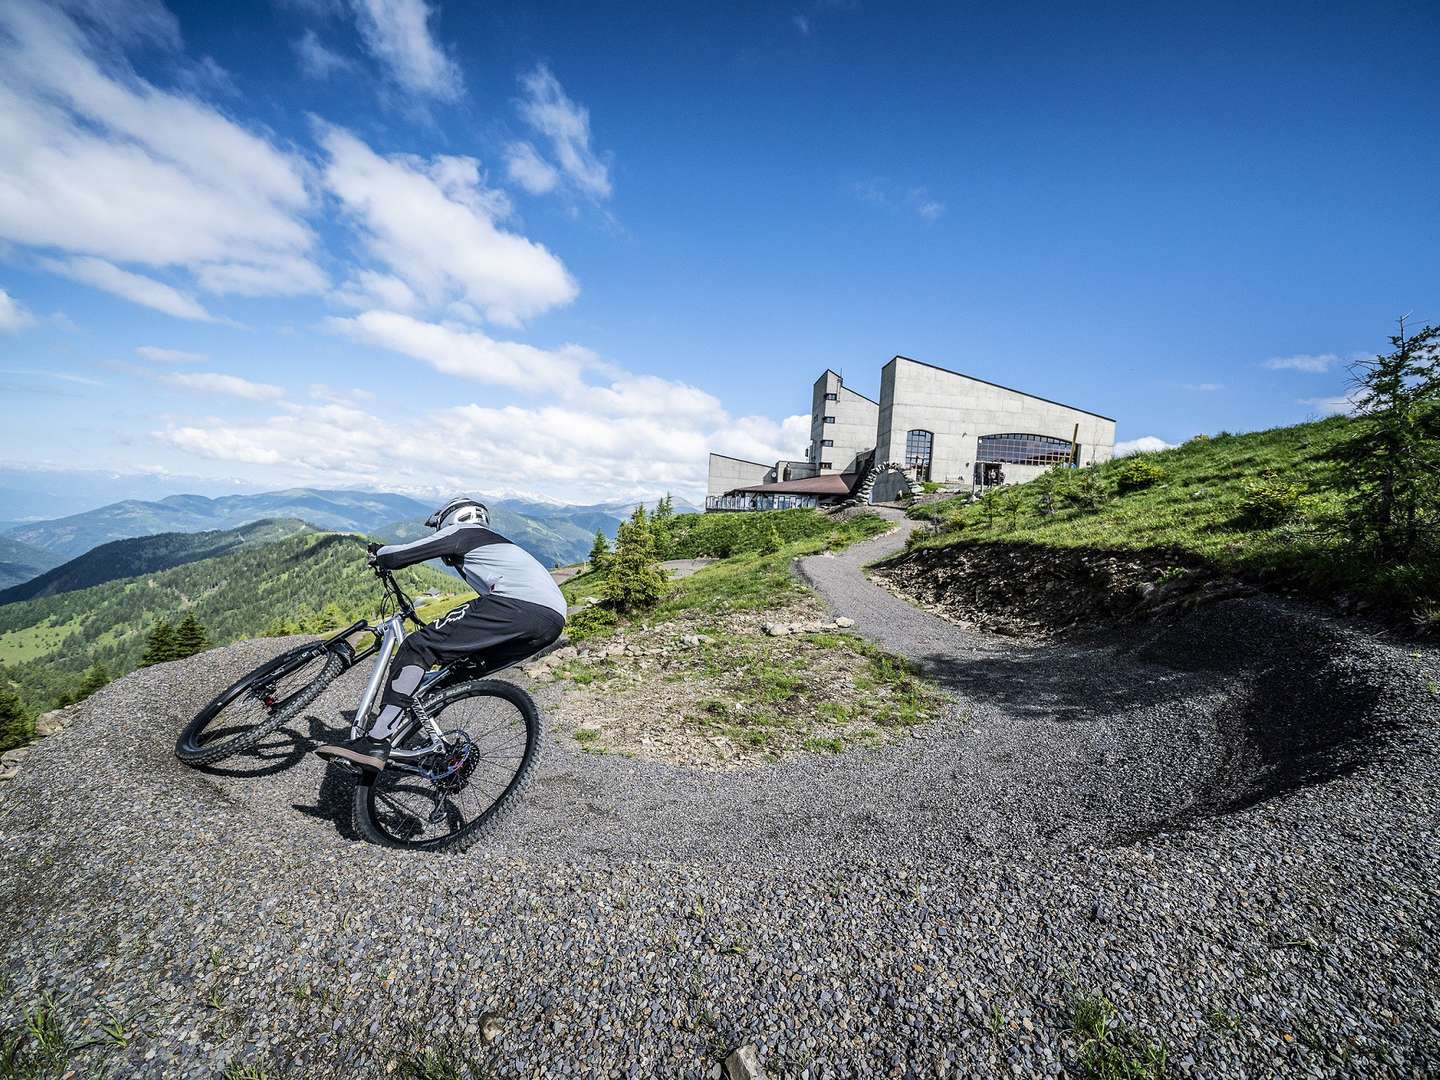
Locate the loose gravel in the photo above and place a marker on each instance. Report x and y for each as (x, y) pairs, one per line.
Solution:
(1225, 825)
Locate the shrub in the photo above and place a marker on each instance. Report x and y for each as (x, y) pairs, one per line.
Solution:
(1138, 473)
(1268, 500)
(1081, 489)
(590, 622)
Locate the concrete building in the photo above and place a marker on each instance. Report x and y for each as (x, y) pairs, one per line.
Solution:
(956, 429)
(935, 424)
(842, 425)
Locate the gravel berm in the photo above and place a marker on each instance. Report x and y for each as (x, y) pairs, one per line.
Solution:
(1226, 825)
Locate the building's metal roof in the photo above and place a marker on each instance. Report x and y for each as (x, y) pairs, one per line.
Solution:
(828, 484)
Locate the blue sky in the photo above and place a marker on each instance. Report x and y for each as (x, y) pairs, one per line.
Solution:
(566, 249)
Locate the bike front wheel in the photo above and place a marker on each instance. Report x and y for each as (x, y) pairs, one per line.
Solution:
(245, 712)
(455, 795)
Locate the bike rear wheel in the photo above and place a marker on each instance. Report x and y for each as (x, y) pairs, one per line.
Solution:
(245, 712)
(451, 799)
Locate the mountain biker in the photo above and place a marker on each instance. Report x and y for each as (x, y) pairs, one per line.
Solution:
(518, 612)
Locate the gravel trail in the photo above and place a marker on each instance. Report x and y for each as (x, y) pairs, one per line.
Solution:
(1226, 825)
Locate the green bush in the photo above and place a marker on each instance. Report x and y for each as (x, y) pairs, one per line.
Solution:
(590, 622)
(1081, 489)
(1268, 500)
(1137, 473)
(719, 536)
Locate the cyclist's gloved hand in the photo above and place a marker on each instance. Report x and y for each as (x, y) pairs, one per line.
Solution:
(370, 550)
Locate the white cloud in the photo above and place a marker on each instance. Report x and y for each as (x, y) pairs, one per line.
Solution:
(61, 375)
(211, 382)
(96, 161)
(1203, 387)
(317, 61)
(525, 166)
(137, 288)
(432, 223)
(397, 33)
(169, 356)
(13, 315)
(889, 196)
(1341, 404)
(1313, 364)
(469, 354)
(566, 451)
(565, 126)
(1146, 444)
(802, 23)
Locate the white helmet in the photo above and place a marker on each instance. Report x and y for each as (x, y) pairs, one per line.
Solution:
(461, 510)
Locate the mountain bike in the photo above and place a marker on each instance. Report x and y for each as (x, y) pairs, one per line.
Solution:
(459, 755)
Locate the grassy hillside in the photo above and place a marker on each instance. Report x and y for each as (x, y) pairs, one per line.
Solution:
(46, 643)
(148, 555)
(1264, 506)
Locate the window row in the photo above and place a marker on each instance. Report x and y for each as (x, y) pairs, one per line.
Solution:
(1014, 448)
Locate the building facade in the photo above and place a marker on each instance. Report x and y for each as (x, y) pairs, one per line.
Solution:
(842, 425)
(937, 425)
(956, 429)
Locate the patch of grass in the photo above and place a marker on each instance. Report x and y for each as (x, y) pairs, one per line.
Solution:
(817, 745)
(586, 736)
(448, 1061)
(247, 1072)
(41, 1046)
(1109, 1050)
(1266, 506)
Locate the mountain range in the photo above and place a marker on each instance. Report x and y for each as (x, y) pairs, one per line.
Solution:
(555, 534)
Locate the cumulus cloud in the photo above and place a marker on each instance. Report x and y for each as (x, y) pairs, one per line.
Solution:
(211, 382)
(13, 315)
(564, 449)
(1145, 444)
(169, 356)
(318, 61)
(99, 163)
(137, 288)
(432, 223)
(564, 125)
(469, 354)
(397, 33)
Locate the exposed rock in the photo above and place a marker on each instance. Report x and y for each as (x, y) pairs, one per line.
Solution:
(491, 1027)
(844, 622)
(744, 1064)
(775, 629)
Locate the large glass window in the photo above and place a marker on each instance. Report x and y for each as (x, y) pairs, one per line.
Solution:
(832, 397)
(918, 446)
(1014, 448)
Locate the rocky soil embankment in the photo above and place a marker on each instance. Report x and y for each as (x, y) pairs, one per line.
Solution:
(1030, 590)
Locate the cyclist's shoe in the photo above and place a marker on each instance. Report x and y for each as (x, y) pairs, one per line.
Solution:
(364, 753)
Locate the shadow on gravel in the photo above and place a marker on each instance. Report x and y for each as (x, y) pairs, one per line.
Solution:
(1262, 699)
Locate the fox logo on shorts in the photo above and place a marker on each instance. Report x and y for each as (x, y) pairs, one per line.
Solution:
(450, 616)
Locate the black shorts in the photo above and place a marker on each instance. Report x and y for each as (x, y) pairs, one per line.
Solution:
(494, 629)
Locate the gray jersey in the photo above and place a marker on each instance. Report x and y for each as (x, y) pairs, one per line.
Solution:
(488, 562)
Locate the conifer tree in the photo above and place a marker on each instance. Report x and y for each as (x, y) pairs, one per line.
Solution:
(1391, 461)
(159, 645)
(660, 523)
(635, 581)
(95, 678)
(190, 637)
(16, 726)
(599, 551)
